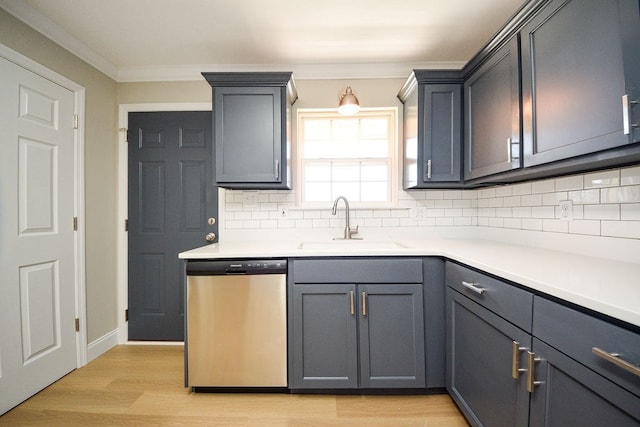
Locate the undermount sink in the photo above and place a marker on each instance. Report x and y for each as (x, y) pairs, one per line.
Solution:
(341, 245)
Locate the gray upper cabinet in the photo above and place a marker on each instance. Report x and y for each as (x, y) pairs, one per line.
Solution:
(432, 115)
(492, 114)
(580, 60)
(251, 128)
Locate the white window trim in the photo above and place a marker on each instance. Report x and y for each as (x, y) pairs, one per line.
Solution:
(393, 159)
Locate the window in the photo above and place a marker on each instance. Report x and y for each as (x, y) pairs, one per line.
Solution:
(351, 156)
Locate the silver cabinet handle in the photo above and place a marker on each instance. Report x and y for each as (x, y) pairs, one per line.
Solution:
(429, 169)
(352, 303)
(474, 287)
(531, 382)
(277, 169)
(509, 159)
(616, 360)
(626, 114)
(515, 364)
(364, 304)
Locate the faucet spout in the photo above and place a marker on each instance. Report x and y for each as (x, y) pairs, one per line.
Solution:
(348, 232)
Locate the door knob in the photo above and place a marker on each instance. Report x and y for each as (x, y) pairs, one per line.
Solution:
(211, 221)
(210, 237)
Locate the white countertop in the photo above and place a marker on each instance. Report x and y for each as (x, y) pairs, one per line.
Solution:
(603, 285)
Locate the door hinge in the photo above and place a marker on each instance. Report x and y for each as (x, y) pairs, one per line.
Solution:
(75, 121)
(126, 133)
(126, 225)
(75, 223)
(77, 325)
(126, 315)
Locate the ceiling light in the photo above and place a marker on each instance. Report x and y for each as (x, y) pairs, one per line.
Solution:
(348, 104)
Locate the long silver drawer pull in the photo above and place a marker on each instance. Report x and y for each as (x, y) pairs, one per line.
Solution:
(515, 364)
(364, 304)
(626, 114)
(474, 287)
(509, 159)
(616, 360)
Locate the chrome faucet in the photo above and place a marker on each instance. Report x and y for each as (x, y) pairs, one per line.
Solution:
(348, 232)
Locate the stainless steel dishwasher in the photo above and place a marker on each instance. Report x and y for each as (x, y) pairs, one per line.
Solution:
(236, 323)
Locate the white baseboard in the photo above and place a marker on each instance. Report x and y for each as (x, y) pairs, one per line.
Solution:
(102, 345)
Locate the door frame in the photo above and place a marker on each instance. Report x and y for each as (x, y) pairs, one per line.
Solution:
(123, 192)
(79, 183)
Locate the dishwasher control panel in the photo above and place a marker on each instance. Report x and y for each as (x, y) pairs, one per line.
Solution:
(245, 266)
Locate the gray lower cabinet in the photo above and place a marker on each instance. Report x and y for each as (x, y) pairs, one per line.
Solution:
(485, 352)
(492, 114)
(432, 119)
(540, 369)
(577, 68)
(251, 129)
(571, 383)
(353, 334)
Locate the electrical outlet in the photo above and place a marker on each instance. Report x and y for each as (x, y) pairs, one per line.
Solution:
(566, 210)
(419, 212)
(284, 212)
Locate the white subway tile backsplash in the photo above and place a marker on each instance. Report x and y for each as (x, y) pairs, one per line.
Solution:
(626, 229)
(569, 183)
(630, 212)
(607, 212)
(630, 176)
(602, 179)
(605, 203)
(628, 194)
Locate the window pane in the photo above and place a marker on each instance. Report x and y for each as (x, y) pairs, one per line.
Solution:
(350, 190)
(317, 129)
(346, 172)
(318, 172)
(375, 191)
(375, 173)
(373, 128)
(346, 156)
(317, 192)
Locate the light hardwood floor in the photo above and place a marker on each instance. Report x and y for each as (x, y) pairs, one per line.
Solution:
(143, 385)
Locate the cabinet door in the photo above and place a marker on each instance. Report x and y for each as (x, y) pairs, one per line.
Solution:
(573, 78)
(480, 356)
(248, 134)
(442, 133)
(569, 394)
(391, 324)
(492, 114)
(324, 337)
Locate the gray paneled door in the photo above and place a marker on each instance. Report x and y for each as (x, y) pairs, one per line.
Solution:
(172, 199)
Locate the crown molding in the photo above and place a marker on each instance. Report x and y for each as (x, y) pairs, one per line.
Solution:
(300, 71)
(57, 34)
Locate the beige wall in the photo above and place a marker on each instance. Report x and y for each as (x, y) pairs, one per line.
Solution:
(100, 166)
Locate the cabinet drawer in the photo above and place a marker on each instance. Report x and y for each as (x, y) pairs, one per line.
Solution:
(507, 301)
(580, 333)
(378, 270)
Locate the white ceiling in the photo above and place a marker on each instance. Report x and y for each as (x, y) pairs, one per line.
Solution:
(144, 40)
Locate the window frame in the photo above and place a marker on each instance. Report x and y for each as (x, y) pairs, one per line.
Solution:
(391, 114)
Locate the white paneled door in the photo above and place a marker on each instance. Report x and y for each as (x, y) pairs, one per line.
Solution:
(37, 272)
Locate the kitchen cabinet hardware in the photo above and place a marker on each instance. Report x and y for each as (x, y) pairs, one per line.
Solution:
(277, 167)
(616, 360)
(474, 287)
(509, 159)
(352, 301)
(515, 359)
(531, 361)
(626, 114)
(364, 303)
(429, 169)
